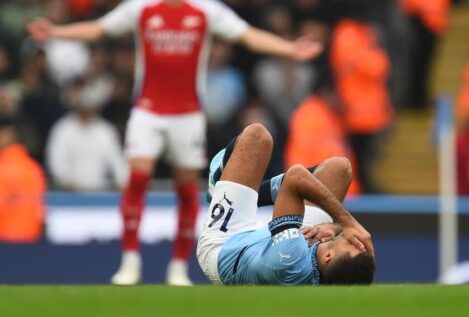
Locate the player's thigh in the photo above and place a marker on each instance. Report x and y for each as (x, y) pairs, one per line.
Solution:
(144, 136)
(186, 138)
(232, 210)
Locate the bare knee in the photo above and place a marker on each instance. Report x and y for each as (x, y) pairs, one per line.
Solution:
(258, 134)
(342, 166)
(143, 165)
(295, 174)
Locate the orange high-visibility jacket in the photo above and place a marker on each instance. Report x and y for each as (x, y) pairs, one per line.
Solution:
(22, 187)
(316, 134)
(361, 70)
(433, 13)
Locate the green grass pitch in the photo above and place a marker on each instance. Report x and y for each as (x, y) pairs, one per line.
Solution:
(157, 300)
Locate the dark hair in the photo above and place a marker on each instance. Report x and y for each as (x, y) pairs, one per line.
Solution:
(347, 270)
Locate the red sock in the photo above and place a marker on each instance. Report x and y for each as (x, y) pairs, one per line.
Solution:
(188, 210)
(132, 204)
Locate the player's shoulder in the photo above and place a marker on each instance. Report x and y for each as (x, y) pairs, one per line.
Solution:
(139, 4)
(209, 6)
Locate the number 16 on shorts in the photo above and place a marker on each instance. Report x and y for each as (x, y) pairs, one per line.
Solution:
(218, 211)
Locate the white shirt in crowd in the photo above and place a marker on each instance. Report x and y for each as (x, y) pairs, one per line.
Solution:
(86, 156)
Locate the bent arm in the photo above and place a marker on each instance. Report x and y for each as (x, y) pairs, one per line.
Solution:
(300, 184)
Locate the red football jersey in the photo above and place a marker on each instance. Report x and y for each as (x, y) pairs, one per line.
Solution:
(173, 44)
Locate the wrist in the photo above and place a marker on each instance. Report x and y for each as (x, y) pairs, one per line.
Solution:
(337, 228)
(54, 31)
(345, 220)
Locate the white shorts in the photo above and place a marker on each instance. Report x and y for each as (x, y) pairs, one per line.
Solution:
(233, 210)
(180, 139)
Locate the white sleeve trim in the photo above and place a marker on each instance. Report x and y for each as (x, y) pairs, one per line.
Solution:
(123, 19)
(223, 21)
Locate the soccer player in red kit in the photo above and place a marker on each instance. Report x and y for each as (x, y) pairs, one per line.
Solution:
(173, 41)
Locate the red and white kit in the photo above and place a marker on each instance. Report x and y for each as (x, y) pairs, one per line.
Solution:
(173, 44)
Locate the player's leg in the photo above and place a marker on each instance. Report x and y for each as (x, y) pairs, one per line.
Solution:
(186, 152)
(187, 190)
(234, 203)
(336, 174)
(250, 157)
(143, 146)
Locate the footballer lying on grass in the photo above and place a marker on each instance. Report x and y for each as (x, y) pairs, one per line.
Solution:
(233, 251)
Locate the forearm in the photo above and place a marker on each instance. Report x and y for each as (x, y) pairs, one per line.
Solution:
(312, 190)
(82, 31)
(263, 42)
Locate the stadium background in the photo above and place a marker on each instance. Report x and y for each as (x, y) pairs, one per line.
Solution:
(79, 242)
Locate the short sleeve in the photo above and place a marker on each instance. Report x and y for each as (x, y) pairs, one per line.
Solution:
(122, 20)
(288, 258)
(223, 21)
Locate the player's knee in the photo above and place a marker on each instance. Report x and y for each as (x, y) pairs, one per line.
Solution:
(343, 166)
(295, 174)
(258, 134)
(142, 165)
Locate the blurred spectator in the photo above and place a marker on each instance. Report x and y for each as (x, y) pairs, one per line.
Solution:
(118, 107)
(22, 188)
(462, 141)
(83, 151)
(66, 59)
(361, 69)
(225, 94)
(41, 104)
(14, 15)
(316, 132)
(5, 63)
(8, 100)
(282, 83)
(123, 56)
(256, 112)
(428, 19)
(98, 75)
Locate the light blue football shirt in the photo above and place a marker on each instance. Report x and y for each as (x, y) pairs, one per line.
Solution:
(257, 257)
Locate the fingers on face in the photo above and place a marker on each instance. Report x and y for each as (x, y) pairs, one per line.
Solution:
(357, 243)
(309, 232)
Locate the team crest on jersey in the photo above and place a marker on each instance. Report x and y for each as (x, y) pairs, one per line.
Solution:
(291, 233)
(191, 21)
(155, 22)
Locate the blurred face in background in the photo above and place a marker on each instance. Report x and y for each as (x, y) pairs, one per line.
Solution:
(8, 105)
(99, 60)
(4, 62)
(280, 22)
(314, 30)
(58, 11)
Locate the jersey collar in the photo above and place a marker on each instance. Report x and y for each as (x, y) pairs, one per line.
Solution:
(314, 263)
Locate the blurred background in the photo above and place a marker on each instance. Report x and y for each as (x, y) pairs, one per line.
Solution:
(406, 56)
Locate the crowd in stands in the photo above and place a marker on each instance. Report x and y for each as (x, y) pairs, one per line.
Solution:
(70, 98)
